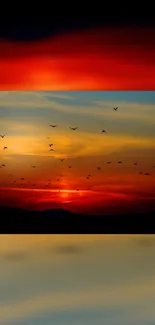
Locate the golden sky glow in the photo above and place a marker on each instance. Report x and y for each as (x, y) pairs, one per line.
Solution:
(25, 118)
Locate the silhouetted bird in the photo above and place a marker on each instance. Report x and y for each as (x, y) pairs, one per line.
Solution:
(51, 150)
(108, 162)
(3, 165)
(74, 128)
(98, 168)
(2, 135)
(5, 148)
(115, 108)
(53, 126)
(51, 144)
(62, 159)
(103, 131)
(119, 162)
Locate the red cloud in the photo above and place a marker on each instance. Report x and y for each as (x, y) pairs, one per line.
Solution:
(108, 59)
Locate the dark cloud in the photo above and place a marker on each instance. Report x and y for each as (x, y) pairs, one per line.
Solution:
(40, 24)
(70, 249)
(15, 256)
(144, 242)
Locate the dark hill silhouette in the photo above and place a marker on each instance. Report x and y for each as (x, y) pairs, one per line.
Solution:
(13, 220)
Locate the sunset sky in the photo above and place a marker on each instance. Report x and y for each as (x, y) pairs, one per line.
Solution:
(130, 138)
(73, 279)
(70, 71)
(105, 58)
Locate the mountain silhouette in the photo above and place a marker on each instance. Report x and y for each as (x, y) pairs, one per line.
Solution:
(14, 220)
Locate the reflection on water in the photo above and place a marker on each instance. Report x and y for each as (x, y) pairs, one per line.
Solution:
(77, 279)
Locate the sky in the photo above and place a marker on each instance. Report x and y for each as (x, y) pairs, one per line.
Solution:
(72, 279)
(114, 188)
(92, 57)
(42, 23)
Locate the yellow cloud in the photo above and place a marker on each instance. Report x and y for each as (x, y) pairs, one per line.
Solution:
(79, 144)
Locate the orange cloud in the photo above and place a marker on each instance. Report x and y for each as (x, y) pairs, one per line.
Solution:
(109, 59)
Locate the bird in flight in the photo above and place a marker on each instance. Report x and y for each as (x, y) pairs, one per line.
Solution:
(119, 162)
(73, 128)
(46, 185)
(22, 178)
(2, 135)
(33, 166)
(103, 131)
(140, 173)
(51, 144)
(135, 163)
(48, 138)
(98, 168)
(51, 150)
(5, 148)
(58, 180)
(53, 125)
(3, 165)
(108, 162)
(69, 166)
(147, 174)
(62, 159)
(10, 175)
(115, 108)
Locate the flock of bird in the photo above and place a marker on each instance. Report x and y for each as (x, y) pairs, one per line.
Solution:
(62, 159)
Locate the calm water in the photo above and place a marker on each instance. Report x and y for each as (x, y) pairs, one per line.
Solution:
(77, 279)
